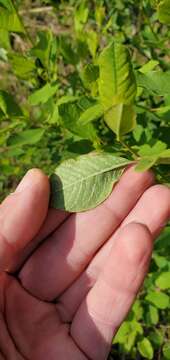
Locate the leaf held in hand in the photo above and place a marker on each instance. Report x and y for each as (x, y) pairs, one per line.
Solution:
(82, 184)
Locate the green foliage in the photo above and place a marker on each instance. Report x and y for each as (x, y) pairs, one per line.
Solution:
(78, 77)
(145, 348)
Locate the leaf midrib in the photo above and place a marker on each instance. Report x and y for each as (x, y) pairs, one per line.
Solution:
(90, 176)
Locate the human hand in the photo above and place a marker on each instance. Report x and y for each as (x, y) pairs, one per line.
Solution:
(68, 281)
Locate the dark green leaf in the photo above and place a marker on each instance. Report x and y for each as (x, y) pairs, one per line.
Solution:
(27, 137)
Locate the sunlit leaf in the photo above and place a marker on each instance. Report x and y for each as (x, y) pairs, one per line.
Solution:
(159, 299)
(91, 114)
(41, 96)
(145, 348)
(163, 280)
(117, 88)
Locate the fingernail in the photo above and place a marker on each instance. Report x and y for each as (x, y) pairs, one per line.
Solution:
(25, 182)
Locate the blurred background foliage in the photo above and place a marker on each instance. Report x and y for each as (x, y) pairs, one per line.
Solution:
(48, 78)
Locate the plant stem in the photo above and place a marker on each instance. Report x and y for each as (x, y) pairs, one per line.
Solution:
(135, 157)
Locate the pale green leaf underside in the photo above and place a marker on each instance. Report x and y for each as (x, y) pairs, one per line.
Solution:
(82, 184)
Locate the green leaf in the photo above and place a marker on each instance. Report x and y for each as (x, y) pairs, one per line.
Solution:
(157, 149)
(156, 82)
(41, 96)
(4, 43)
(164, 11)
(117, 88)
(127, 334)
(137, 309)
(153, 315)
(67, 51)
(27, 137)
(8, 105)
(67, 99)
(159, 299)
(90, 74)
(152, 155)
(42, 50)
(92, 113)
(7, 4)
(156, 337)
(92, 41)
(145, 348)
(82, 184)
(160, 261)
(22, 66)
(146, 163)
(121, 119)
(149, 66)
(80, 16)
(166, 351)
(117, 81)
(163, 281)
(70, 114)
(10, 21)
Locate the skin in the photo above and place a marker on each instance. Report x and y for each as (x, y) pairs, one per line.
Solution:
(68, 281)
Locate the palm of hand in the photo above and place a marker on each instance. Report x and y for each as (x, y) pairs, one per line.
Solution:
(77, 278)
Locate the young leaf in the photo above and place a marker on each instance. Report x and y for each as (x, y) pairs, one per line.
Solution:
(153, 315)
(41, 96)
(117, 88)
(163, 280)
(145, 348)
(82, 184)
(159, 299)
(152, 155)
(149, 66)
(92, 113)
(93, 42)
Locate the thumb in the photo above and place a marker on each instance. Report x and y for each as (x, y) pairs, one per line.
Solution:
(21, 216)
